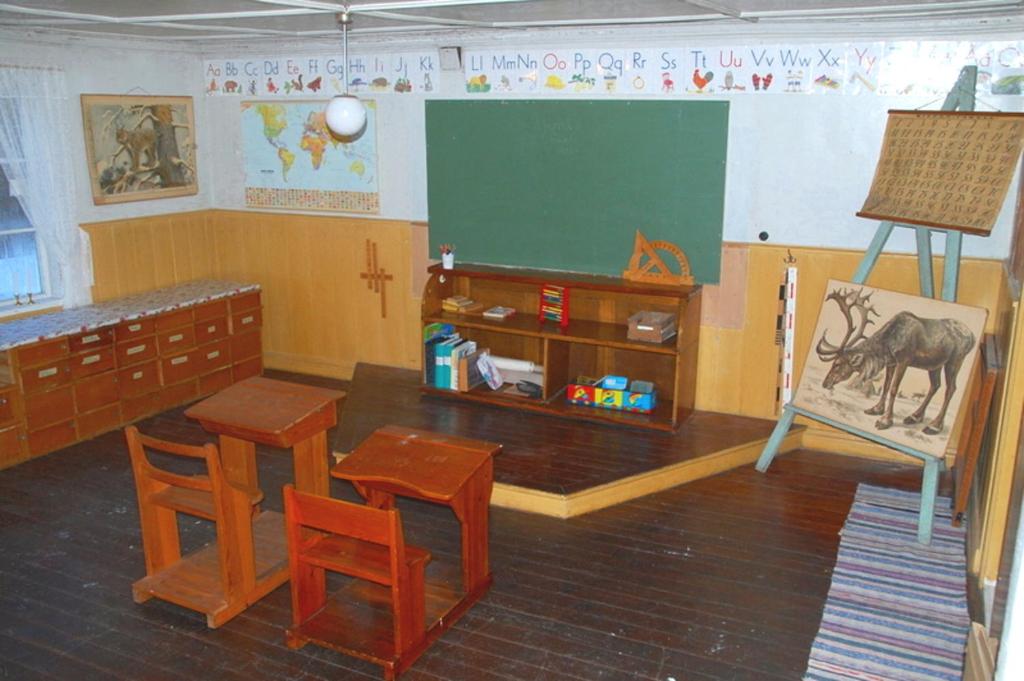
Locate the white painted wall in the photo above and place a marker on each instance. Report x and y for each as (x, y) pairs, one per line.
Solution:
(94, 68)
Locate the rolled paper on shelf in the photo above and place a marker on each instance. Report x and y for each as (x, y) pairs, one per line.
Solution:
(510, 364)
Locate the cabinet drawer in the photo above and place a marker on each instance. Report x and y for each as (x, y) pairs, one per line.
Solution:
(48, 408)
(176, 340)
(245, 346)
(138, 380)
(179, 367)
(99, 421)
(49, 439)
(91, 339)
(136, 351)
(181, 393)
(215, 310)
(215, 382)
(211, 330)
(46, 351)
(46, 376)
(6, 407)
(95, 362)
(214, 356)
(241, 322)
(135, 408)
(11, 450)
(246, 369)
(174, 319)
(96, 391)
(136, 328)
(245, 301)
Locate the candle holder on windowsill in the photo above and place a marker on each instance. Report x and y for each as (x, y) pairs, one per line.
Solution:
(17, 299)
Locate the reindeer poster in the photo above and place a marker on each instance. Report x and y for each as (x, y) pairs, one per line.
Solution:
(891, 364)
(139, 147)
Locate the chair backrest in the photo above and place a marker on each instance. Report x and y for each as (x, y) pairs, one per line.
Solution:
(383, 527)
(162, 494)
(144, 469)
(336, 516)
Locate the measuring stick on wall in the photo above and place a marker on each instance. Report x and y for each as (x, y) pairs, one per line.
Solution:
(785, 331)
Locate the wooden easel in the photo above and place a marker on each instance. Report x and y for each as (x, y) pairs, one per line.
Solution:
(960, 98)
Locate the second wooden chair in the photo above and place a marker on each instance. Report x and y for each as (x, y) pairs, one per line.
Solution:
(219, 580)
(379, 617)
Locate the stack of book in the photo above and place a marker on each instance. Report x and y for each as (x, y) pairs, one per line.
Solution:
(449, 362)
(460, 305)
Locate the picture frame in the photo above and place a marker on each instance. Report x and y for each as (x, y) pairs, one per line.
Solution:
(881, 362)
(139, 147)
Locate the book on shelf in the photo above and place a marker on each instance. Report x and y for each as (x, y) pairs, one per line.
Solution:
(469, 373)
(499, 312)
(443, 360)
(458, 352)
(461, 305)
(430, 359)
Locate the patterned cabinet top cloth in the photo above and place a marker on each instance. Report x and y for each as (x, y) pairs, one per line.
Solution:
(56, 324)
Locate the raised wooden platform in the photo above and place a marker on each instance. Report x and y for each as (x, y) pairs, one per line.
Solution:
(557, 467)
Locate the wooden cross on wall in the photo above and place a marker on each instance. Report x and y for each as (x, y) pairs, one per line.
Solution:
(376, 277)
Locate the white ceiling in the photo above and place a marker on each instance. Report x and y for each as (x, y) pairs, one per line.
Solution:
(204, 20)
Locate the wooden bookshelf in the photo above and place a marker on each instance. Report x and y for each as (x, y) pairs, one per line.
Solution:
(594, 343)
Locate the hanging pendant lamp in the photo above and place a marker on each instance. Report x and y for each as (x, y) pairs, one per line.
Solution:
(345, 114)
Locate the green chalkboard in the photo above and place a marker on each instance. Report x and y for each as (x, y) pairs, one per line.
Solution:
(563, 184)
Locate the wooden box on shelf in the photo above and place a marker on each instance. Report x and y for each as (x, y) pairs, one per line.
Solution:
(595, 341)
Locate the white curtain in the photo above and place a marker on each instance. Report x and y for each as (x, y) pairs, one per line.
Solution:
(35, 153)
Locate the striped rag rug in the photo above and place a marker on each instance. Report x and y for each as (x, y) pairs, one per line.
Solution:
(895, 609)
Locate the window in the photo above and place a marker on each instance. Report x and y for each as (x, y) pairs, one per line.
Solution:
(43, 253)
(20, 273)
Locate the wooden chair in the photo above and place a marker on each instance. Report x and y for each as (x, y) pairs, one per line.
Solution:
(378, 617)
(218, 580)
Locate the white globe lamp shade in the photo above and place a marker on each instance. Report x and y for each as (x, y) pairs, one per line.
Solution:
(345, 115)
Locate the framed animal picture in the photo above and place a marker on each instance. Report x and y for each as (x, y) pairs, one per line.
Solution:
(892, 365)
(139, 147)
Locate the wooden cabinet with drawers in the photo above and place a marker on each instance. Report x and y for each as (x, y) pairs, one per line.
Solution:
(59, 391)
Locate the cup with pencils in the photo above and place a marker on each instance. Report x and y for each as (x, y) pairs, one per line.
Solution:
(447, 256)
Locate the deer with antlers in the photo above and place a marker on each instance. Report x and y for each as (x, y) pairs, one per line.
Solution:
(938, 346)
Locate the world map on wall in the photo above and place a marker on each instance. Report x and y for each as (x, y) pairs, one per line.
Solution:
(293, 161)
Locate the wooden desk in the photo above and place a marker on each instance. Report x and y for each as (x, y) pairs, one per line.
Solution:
(444, 469)
(276, 413)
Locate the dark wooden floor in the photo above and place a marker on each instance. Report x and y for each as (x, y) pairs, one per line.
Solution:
(724, 578)
(555, 455)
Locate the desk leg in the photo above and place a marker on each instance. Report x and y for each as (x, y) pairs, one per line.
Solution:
(311, 471)
(471, 507)
(238, 459)
(375, 498)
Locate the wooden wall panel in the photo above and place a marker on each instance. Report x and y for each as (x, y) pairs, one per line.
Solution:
(130, 256)
(320, 316)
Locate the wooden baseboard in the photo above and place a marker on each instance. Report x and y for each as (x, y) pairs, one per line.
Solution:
(980, 661)
(305, 364)
(838, 442)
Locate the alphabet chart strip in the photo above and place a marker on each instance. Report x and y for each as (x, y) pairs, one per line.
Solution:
(304, 76)
(948, 169)
(838, 68)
